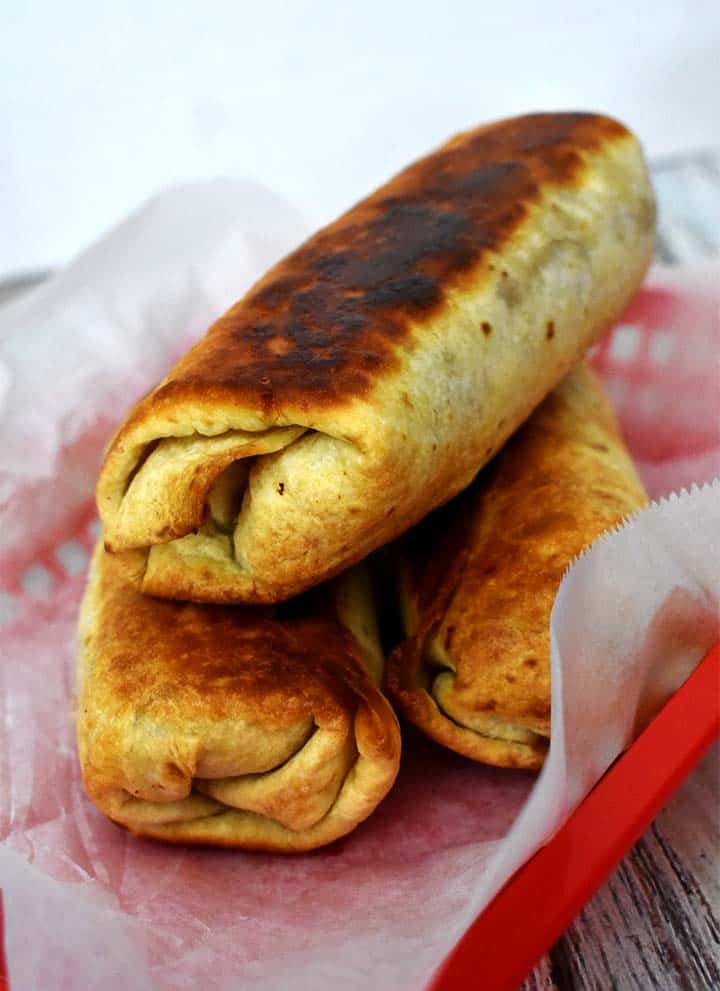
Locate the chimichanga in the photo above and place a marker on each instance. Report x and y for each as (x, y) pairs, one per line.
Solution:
(479, 578)
(368, 377)
(231, 726)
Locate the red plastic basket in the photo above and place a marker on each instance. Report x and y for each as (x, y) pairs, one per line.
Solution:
(572, 866)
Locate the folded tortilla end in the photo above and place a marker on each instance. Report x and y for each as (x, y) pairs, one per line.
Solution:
(232, 726)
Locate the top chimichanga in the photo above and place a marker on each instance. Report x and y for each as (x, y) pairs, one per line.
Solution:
(369, 375)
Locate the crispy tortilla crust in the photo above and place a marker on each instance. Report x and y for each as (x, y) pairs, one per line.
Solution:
(327, 321)
(370, 375)
(233, 727)
(480, 578)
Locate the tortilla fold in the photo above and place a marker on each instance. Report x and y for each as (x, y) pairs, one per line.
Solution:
(231, 726)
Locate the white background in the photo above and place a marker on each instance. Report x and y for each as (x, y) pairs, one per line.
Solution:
(103, 103)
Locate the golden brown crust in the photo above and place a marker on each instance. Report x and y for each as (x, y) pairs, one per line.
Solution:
(236, 726)
(481, 577)
(334, 315)
(370, 375)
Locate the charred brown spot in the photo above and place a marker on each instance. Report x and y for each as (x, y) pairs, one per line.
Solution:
(510, 678)
(530, 662)
(550, 329)
(449, 634)
(487, 706)
(486, 328)
(600, 447)
(335, 314)
(281, 488)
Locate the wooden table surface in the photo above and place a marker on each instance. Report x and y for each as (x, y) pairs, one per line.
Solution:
(655, 924)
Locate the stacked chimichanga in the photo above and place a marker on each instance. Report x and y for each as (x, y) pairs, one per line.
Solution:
(479, 577)
(231, 726)
(367, 377)
(363, 382)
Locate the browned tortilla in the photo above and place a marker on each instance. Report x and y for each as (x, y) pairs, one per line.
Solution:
(367, 378)
(233, 726)
(480, 578)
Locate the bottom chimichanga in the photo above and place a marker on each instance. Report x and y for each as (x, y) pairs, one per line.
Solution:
(256, 728)
(266, 728)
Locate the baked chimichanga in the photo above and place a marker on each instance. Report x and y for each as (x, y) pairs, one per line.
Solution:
(368, 376)
(478, 578)
(231, 726)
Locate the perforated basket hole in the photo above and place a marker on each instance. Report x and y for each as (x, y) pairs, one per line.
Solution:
(625, 343)
(37, 582)
(648, 402)
(662, 346)
(72, 556)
